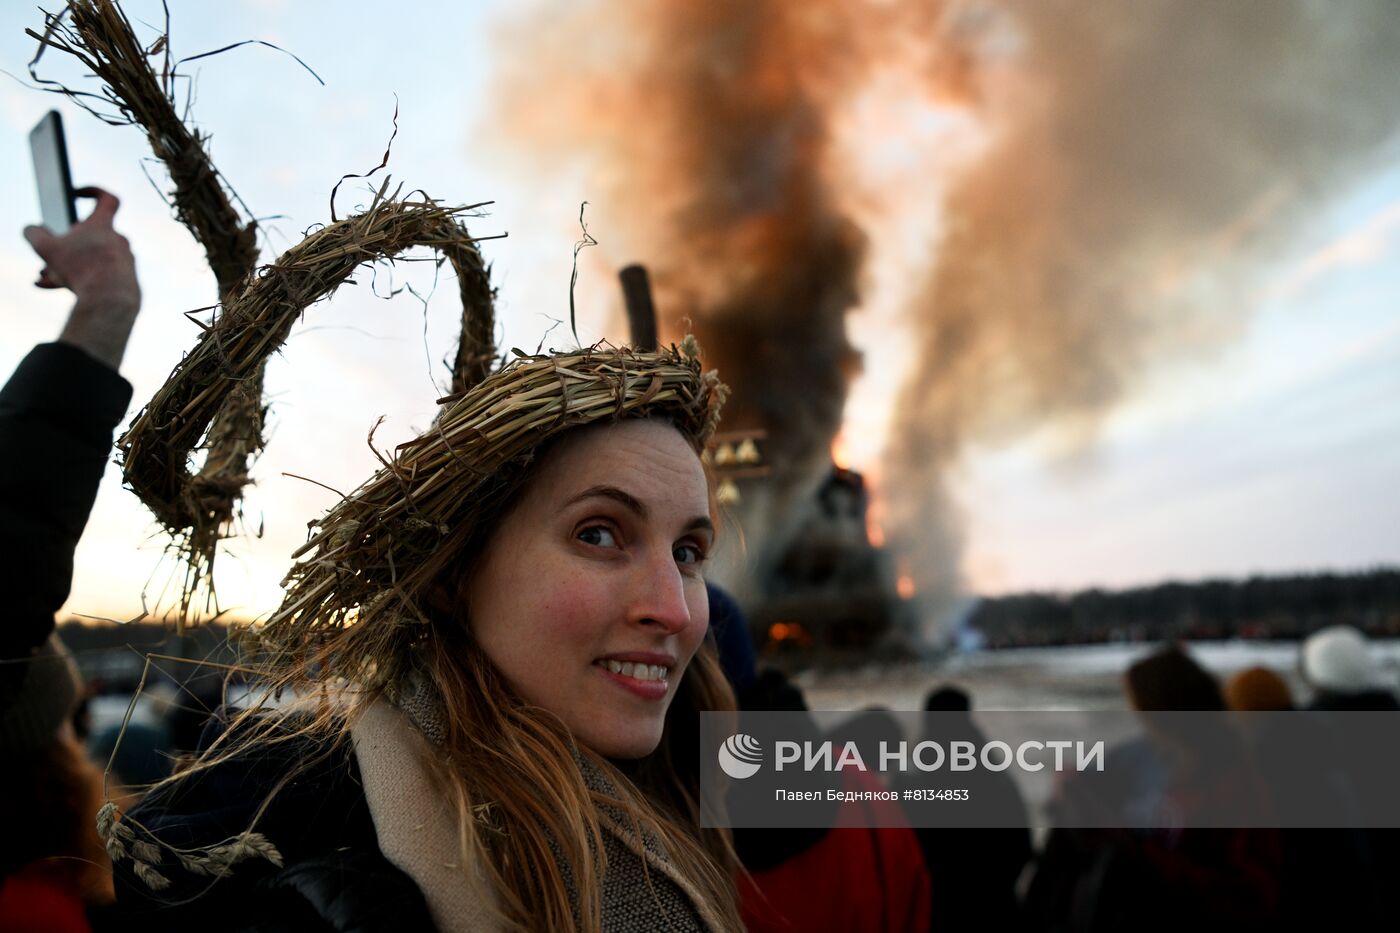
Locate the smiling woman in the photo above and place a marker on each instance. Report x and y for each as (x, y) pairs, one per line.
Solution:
(600, 563)
(501, 650)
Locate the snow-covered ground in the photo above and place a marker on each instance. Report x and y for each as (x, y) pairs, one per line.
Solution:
(1077, 677)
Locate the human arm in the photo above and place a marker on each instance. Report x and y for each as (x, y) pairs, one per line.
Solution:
(57, 413)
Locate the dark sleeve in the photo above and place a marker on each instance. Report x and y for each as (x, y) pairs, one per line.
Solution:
(345, 891)
(306, 798)
(57, 413)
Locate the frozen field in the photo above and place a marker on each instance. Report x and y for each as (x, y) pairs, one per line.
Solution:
(1079, 677)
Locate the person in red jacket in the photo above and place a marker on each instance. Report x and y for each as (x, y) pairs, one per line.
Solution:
(854, 877)
(851, 876)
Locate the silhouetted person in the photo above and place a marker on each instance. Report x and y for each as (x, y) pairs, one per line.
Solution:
(1328, 879)
(57, 413)
(851, 877)
(974, 870)
(869, 729)
(1338, 666)
(730, 631)
(191, 710)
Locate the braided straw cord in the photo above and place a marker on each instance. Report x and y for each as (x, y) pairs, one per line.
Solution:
(253, 325)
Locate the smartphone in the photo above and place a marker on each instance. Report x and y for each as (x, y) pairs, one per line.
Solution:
(56, 202)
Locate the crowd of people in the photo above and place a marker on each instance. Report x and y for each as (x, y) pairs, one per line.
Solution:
(1202, 798)
(1167, 855)
(507, 737)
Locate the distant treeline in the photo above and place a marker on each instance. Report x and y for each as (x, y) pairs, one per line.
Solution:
(1285, 607)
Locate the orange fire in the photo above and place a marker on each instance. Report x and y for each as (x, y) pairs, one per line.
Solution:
(840, 451)
(904, 583)
(787, 631)
(874, 533)
(874, 515)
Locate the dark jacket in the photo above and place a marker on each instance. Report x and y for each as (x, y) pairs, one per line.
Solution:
(333, 876)
(1364, 700)
(57, 413)
(974, 870)
(1374, 792)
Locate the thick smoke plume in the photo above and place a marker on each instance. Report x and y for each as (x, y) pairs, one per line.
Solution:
(1143, 156)
(1137, 159)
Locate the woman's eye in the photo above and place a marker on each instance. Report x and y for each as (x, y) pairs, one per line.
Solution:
(598, 536)
(689, 554)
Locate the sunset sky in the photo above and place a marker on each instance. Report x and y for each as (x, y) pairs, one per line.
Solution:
(1270, 443)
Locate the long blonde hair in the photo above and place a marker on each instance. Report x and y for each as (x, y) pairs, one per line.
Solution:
(511, 770)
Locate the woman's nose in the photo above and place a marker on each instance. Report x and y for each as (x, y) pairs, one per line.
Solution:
(659, 594)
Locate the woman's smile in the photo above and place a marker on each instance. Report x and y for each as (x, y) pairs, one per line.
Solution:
(645, 686)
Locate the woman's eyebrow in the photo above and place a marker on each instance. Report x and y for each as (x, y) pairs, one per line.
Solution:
(635, 505)
(611, 492)
(700, 523)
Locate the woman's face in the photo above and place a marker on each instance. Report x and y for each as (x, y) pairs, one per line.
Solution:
(589, 596)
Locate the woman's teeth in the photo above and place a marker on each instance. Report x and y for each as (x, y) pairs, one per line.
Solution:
(635, 671)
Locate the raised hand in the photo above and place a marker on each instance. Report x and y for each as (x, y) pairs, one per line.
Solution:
(94, 262)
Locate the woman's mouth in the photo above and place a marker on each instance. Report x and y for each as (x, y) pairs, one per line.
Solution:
(648, 681)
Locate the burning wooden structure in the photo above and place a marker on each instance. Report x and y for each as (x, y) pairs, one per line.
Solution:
(831, 598)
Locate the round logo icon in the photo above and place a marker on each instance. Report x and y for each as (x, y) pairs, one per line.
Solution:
(740, 756)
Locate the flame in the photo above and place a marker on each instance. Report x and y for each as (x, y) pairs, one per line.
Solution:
(840, 451)
(874, 514)
(904, 583)
(787, 631)
(874, 531)
(769, 159)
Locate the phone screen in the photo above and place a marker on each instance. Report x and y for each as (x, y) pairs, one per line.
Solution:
(51, 172)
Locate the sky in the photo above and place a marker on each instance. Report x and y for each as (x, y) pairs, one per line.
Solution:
(1273, 451)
